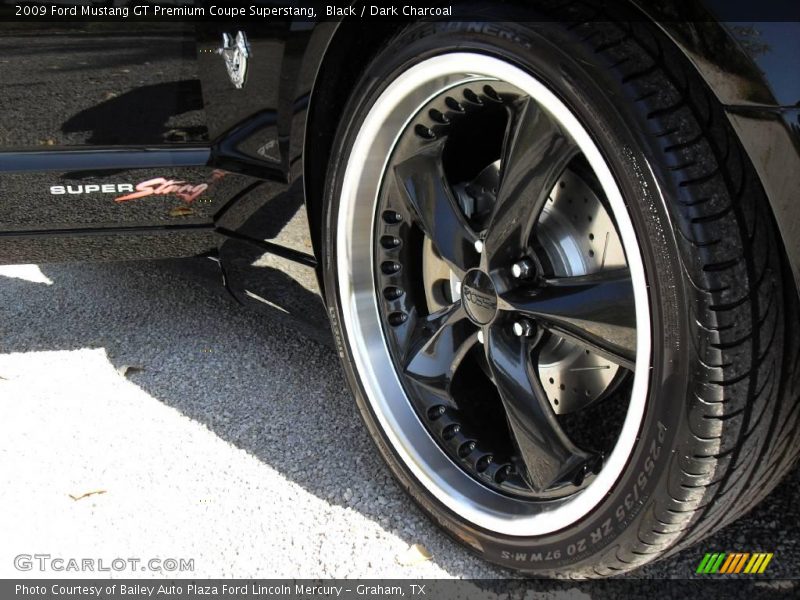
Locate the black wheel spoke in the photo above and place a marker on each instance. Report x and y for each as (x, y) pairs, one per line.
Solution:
(535, 152)
(421, 177)
(437, 347)
(548, 454)
(595, 310)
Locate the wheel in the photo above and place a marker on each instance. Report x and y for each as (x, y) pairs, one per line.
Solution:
(556, 294)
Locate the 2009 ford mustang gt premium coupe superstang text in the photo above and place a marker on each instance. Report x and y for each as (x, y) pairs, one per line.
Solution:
(557, 243)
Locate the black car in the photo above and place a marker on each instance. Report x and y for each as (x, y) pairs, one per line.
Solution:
(557, 243)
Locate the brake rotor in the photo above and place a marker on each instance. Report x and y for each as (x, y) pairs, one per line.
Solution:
(578, 237)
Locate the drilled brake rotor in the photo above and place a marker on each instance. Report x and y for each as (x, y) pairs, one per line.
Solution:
(578, 237)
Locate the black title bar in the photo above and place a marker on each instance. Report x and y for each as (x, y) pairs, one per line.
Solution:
(458, 10)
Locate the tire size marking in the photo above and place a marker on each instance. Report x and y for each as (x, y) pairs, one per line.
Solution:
(601, 532)
(337, 339)
(576, 548)
(530, 556)
(634, 500)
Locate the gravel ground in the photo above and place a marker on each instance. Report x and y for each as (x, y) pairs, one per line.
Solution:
(231, 440)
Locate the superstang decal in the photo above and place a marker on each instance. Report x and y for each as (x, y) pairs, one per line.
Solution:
(157, 186)
(166, 187)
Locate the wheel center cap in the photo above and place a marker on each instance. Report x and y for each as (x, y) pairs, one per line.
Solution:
(479, 297)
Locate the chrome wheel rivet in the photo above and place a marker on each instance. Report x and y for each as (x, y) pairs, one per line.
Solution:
(523, 328)
(480, 336)
(523, 269)
(478, 246)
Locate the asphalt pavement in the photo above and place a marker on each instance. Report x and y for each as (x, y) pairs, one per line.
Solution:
(145, 414)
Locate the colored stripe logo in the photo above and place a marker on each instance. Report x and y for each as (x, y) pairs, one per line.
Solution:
(734, 563)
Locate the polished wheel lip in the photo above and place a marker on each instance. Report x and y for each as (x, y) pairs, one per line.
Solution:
(361, 317)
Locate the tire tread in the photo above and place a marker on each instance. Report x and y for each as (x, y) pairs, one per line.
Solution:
(744, 414)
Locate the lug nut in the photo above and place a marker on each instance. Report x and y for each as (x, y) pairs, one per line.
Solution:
(523, 269)
(478, 246)
(480, 336)
(523, 328)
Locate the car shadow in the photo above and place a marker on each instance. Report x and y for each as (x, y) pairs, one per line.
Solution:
(149, 110)
(280, 396)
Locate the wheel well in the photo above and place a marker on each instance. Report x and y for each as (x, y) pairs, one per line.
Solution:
(349, 51)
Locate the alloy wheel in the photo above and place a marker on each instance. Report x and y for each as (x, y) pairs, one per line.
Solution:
(505, 312)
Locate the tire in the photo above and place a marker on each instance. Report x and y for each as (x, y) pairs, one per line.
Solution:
(716, 369)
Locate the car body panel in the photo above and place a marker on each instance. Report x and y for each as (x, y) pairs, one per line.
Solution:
(186, 122)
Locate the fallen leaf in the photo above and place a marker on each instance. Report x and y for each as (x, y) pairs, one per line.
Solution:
(181, 211)
(175, 135)
(125, 370)
(86, 494)
(416, 553)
